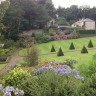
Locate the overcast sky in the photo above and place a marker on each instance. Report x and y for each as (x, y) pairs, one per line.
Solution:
(68, 3)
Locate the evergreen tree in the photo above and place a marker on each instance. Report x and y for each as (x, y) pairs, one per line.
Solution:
(53, 49)
(90, 45)
(33, 34)
(60, 52)
(84, 50)
(72, 46)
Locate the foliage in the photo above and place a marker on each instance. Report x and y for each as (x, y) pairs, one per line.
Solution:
(72, 46)
(90, 45)
(10, 90)
(87, 31)
(53, 49)
(33, 34)
(60, 52)
(64, 37)
(44, 38)
(49, 81)
(92, 66)
(15, 77)
(62, 21)
(3, 58)
(84, 50)
(8, 44)
(70, 62)
(88, 88)
(32, 55)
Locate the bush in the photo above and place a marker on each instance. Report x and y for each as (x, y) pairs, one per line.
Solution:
(84, 50)
(90, 45)
(53, 49)
(49, 84)
(16, 77)
(33, 34)
(60, 52)
(43, 38)
(9, 43)
(70, 62)
(87, 31)
(72, 46)
(32, 56)
(3, 58)
(88, 88)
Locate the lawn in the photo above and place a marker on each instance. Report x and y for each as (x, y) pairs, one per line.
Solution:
(64, 44)
(83, 59)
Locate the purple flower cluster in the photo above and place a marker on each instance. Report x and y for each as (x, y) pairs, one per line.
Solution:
(9, 90)
(60, 69)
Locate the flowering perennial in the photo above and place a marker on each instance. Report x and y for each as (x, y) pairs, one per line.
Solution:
(60, 69)
(9, 90)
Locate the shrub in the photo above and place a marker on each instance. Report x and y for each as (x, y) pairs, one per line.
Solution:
(33, 34)
(60, 52)
(8, 44)
(92, 66)
(43, 38)
(88, 88)
(3, 58)
(53, 49)
(16, 77)
(84, 50)
(72, 46)
(90, 45)
(49, 84)
(70, 62)
(32, 55)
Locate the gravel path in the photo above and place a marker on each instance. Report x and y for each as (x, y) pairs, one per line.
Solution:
(11, 64)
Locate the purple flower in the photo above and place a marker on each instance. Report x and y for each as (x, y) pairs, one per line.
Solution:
(1, 87)
(79, 77)
(74, 71)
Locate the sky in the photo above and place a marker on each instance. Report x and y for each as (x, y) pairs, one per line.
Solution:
(68, 3)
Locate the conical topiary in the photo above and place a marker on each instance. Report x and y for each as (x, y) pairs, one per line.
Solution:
(90, 45)
(84, 50)
(60, 52)
(33, 34)
(72, 46)
(53, 49)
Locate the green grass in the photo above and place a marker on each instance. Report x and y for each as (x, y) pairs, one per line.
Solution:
(83, 59)
(64, 44)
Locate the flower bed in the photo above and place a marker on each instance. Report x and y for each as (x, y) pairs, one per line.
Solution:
(64, 37)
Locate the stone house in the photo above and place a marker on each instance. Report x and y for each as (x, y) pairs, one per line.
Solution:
(86, 24)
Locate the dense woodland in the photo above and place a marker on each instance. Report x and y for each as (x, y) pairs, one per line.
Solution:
(20, 15)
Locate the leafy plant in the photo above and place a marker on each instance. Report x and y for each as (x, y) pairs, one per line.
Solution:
(60, 52)
(15, 77)
(90, 45)
(72, 46)
(53, 49)
(84, 50)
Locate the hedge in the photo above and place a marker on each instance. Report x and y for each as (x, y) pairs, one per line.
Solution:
(87, 31)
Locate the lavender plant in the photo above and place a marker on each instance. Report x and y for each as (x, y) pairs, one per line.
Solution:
(11, 91)
(60, 69)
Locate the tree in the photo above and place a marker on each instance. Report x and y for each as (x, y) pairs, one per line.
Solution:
(90, 45)
(53, 49)
(62, 21)
(72, 46)
(60, 52)
(3, 7)
(84, 50)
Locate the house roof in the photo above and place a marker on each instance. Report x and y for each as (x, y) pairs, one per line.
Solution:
(86, 20)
